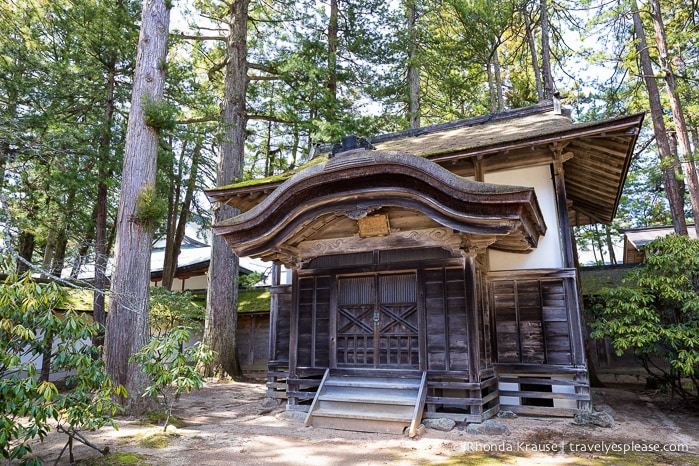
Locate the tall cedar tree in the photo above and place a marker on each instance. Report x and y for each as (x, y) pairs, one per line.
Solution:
(127, 320)
(222, 294)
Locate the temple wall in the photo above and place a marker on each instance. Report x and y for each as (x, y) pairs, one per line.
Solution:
(548, 253)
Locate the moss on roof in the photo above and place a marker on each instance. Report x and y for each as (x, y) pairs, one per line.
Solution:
(80, 300)
(256, 300)
(276, 178)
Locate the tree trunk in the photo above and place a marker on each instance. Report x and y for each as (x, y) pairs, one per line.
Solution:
(491, 88)
(413, 68)
(546, 52)
(221, 302)
(597, 238)
(127, 320)
(25, 250)
(332, 50)
(173, 244)
(49, 249)
(684, 145)
(101, 256)
(610, 245)
(59, 254)
(81, 256)
(669, 163)
(498, 80)
(534, 55)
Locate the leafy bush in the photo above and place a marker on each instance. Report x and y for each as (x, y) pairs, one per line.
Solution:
(33, 333)
(172, 309)
(656, 314)
(171, 367)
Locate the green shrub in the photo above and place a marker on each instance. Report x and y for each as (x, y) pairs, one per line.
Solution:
(33, 333)
(171, 367)
(655, 313)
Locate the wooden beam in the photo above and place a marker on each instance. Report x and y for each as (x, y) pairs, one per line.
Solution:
(293, 336)
(472, 315)
(432, 237)
(562, 207)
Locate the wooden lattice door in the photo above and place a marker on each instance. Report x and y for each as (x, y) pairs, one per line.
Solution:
(377, 322)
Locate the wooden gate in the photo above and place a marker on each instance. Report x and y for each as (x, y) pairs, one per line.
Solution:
(377, 322)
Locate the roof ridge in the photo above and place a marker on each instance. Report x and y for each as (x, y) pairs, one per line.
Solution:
(541, 107)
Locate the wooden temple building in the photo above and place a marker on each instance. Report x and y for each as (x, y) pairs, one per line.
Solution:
(434, 271)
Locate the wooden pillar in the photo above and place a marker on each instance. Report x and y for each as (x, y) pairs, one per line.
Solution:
(293, 339)
(473, 319)
(422, 320)
(332, 330)
(565, 232)
(274, 312)
(562, 206)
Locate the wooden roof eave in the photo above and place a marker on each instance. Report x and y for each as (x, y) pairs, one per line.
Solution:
(354, 185)
(601, 210)
(243, 198)
(579, 130)
(247, 196)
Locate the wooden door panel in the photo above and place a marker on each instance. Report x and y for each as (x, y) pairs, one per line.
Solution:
(355, 335)
(378, 329)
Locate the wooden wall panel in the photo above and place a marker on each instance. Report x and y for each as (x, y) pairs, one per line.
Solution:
(282, 323)
(447, 323)
(306, 298)
(435, 319)
(321, 344)
(252, 341)
(314, 315)
(531, 319)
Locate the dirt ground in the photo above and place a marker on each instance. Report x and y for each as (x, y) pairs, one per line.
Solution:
(231, 423)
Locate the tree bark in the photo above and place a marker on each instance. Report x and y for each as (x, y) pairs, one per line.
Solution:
(546, 52)
(173, 241)
(49, 249)
(683, 143)
(498, 80)
(127, 320)
(101, 256)
(491, 88)
(534, 55)
(413, 68)
(25, 250)
(610, 245)
(670, 164)
(221, 303)
(332, 50)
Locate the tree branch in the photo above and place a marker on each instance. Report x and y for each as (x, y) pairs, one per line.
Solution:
(271, 118)
(190, 37)
(264, 78)
(202, 119)
(264, 68)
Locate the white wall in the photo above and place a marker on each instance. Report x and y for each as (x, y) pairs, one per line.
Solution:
(198, 282)
(548, 252)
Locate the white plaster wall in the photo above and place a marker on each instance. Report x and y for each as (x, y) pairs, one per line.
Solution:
(193, 283)
(548, 252)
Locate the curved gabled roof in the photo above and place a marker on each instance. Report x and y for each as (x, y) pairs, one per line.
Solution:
(356, 183)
